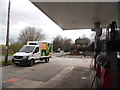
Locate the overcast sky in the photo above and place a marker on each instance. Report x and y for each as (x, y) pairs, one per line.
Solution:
(24, 14)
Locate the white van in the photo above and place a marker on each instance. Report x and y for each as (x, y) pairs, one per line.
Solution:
(34, 50)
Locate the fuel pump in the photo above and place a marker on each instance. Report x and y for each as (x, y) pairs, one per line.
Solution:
(97, 48)
(110, 68)
(108, 64)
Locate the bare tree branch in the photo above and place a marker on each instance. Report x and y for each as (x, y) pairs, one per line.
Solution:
(31, 34)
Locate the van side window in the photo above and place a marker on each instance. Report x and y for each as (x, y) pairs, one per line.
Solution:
(37, 49)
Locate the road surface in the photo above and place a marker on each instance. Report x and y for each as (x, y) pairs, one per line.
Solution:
(43, 74)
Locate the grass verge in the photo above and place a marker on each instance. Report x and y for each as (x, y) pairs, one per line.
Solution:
(2, 55)
(2, 63)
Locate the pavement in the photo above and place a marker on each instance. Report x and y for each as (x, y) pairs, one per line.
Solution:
(60, 72)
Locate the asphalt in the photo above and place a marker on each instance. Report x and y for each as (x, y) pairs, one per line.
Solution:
(78, 78)
(62, 72)
(39, 74)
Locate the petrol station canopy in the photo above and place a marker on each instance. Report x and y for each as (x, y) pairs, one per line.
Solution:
(80, 15)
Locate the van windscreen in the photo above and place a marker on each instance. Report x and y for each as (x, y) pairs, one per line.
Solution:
(27, 49)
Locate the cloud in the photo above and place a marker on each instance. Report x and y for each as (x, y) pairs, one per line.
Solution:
(23, 14)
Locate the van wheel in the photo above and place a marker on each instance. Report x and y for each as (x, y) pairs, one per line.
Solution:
(32, 62)
(46, 60)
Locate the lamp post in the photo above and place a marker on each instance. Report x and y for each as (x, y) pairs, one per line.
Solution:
(7, 35)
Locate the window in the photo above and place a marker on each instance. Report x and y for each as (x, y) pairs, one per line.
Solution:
(27, 49)
(37, 49)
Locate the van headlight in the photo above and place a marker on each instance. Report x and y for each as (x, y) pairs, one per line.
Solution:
(25, 57)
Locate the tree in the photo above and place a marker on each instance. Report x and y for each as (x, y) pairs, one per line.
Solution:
(62, 43)
(2, 47)
(31, 34)
(67, 44)
(90, 47)
(14, 47)
(82, 41)
(57, 43)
